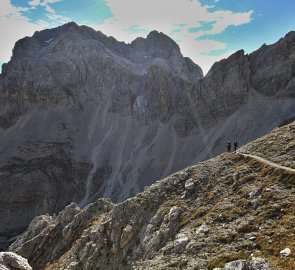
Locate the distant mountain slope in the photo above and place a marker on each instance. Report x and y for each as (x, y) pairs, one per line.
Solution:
(84, 116)
(232, 207)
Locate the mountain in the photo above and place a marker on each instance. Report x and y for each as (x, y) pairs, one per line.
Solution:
(234, 211)
(84, 116)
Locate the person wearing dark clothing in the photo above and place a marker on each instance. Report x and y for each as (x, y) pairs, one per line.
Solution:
(235, 145)
(228, 146)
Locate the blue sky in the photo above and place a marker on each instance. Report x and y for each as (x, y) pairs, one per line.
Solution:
(206, 30)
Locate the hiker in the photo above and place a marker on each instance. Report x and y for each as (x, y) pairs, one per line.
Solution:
(228, 146)
(235, 145)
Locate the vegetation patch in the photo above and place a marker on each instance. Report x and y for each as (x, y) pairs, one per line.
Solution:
(221, 260)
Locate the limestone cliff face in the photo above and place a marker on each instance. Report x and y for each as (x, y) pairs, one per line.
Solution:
(235, 211)
(84, 116)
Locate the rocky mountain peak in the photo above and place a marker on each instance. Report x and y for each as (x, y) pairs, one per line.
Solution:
(237, 58)
(161, 40)
(70, 25)
(47, 34)
(157, 44)
(84, 116)
(28, 46)
(290, 34)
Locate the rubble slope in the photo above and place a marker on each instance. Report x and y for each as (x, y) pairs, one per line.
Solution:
(232, 207)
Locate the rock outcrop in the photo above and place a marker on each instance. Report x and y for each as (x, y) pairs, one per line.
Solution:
(12, 261)
(221, 224)
(84, 116)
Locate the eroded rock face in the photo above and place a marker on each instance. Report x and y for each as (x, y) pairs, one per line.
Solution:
(215, 227)
(12, 261)
(84, 116)
(42, 181)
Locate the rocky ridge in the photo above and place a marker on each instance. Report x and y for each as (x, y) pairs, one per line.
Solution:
(230, 212)
(84, 116)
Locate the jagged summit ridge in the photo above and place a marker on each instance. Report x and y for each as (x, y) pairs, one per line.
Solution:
(83, 40)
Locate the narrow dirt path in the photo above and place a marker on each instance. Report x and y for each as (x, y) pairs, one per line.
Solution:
(267, 162)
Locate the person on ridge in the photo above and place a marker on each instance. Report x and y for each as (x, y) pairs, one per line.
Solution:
(228, 146)
(236, 145)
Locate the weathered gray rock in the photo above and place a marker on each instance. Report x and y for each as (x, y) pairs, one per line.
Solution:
(189, 184)
(183, 176)
(237, 265)
(181, 242)
(157, 219)
(10, 260)
(258, 263)
(203, 229)
(126, 236)
(174, 213)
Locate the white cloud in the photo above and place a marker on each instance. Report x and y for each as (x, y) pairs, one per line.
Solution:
(44, 3)
(154, 14)
(49, 9)
(13, 27)
(174, 19)
(34, 3)
(198, 50)
(227, 18)
(51, 1)
(57, 19)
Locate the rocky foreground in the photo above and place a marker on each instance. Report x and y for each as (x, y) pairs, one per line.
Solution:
(236, 211)
(12, 261)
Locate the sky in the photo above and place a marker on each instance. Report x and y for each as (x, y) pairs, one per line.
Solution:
(206, 30)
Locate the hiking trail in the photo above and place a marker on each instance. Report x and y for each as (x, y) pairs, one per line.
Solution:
(268, 162)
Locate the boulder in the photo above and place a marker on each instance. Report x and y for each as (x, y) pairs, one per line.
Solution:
(237, 265)
(259, 264)
(182, 176)
(157, 219)
(181, 242)
(126, 236)
(10, 260)
(285, 252)
(174, 213)
(203, 229)
(189, 184)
